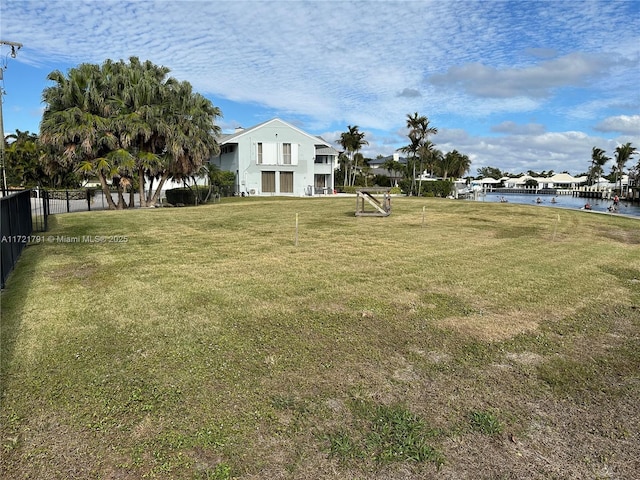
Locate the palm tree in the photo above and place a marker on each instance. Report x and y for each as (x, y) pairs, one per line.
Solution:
(463, 166)
(344, 163)
(598, 160)
(168, 129)
(419, 131)
(393, 167)
(433, 159)
(455, 164)
(22, 159)
(121, 118)
(190, 140)
(623, 154)
(76, 122)
(352, 141)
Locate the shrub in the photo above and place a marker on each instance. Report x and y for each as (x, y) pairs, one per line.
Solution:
(187, 196)
(438, 188)
(382, 180)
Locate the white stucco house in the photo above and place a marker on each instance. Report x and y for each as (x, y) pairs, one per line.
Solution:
(277, 158)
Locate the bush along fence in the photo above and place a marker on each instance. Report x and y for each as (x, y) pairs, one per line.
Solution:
(196, 195)
(16, 227)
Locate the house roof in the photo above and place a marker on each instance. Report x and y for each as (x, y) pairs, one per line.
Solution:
(232, 137)
(380, 161)
(566, 178)
(326, 151)
(487, 180)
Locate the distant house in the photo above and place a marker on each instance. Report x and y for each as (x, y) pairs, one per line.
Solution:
(558, 181)
(486, 182)
(276, 158)
(378, 168)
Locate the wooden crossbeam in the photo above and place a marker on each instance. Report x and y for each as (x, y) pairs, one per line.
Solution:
(381, 209)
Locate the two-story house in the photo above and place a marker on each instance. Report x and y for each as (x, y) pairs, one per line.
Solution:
(276, 158)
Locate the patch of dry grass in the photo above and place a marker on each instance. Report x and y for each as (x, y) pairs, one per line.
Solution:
(210, 346)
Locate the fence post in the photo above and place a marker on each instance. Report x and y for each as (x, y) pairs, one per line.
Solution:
(68, 205)
(45, 208)
(88, 200)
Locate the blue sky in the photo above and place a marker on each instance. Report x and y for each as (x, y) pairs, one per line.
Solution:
(518, 85)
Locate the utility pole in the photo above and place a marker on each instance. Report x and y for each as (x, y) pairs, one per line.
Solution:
(15, 46)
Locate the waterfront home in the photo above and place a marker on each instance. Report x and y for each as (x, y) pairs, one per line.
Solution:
(277, 158)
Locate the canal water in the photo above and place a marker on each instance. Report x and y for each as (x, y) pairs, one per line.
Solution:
(563, 201)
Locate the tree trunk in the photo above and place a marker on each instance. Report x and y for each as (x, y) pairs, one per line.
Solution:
(150, 192)
(413, 178)
(106, 191)
(156, 195)
(143, 199)
(121, 204)
(354, 170)
(132, 201)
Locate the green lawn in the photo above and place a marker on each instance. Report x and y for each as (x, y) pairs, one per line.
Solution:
(491, 341)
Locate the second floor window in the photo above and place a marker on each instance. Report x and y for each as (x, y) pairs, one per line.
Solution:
(286, 154)
(259, 153)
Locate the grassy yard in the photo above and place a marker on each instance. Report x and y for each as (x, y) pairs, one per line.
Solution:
(494, 341)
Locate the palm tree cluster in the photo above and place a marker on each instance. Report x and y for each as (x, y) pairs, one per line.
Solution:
(351, 141)
(420, 149)
(622, 155)
(123, 122)
(422, 155)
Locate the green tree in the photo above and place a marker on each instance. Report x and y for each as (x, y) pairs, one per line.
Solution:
(419, 149)
(125, 121)
(393, 167)
(352, 142)
(598, 161)
(75, 124)
(455, 164)
(490, 172)
(622, 155)
(22, 160)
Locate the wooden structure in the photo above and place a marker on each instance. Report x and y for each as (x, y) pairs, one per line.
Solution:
(380, 209)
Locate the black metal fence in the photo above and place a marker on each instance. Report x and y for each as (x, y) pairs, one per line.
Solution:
(66, 201)
(16, 227)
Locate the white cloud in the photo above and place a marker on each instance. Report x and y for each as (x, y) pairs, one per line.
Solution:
(515, 129)
(558, 151)
(330, 64)
(537, 81)
(628, 124)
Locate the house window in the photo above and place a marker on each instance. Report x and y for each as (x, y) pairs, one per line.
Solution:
(266, 153)
(269, 182)
(286, 182)
(286, 153)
